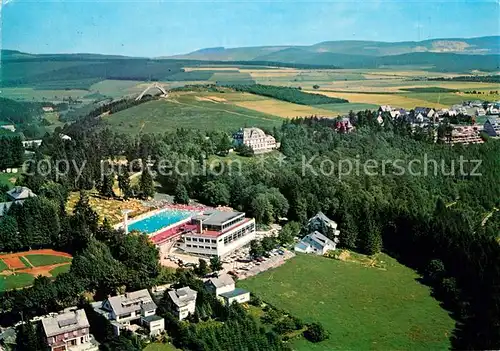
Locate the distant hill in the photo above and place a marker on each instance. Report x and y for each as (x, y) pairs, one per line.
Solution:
(471, 46)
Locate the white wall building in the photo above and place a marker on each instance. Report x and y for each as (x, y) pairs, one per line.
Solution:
(259, 141)
(183, 301)
(224, 288)
(315, 243)
(219, 233)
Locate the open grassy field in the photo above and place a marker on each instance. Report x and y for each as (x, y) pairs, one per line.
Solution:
(3, 266)
(8, 178)
(15, 281)
(382, 99)
(363, 308)
(185, 111)
(160, 347)
(31, 94)
(46, 260)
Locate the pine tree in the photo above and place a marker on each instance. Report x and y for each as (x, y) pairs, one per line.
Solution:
(124, 185)
(146, 184)
(181, 195)
(106, 188)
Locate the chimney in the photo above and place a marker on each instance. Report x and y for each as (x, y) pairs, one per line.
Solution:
(200, 229)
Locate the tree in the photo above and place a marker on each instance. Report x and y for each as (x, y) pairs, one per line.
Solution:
(216, 193)
(202, 269)
(288, 232)
(316, 332)
(146, 184)
(106, 188)
(9, 235)
(268, 243)
(124, 185)
(181, 195)
(224, 145)
(315, 86)
(27, 338)
(215, 264)
(256, 249)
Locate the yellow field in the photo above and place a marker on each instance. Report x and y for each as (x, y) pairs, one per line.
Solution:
(380, 99)
(284, 109)
(191, 69)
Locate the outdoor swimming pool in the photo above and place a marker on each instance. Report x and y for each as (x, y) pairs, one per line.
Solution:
(159, 220)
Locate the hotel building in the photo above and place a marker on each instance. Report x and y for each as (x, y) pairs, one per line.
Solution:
(255, 138)
(218, 233)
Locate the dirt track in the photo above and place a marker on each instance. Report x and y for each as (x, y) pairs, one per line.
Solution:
(14, 262)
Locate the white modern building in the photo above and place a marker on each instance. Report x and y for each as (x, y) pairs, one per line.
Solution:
(137, 306)
(218, 233)
(255, 138)
(183, 301)
(69, 331)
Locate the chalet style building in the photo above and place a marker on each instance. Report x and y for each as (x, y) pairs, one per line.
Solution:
(255, 138)
(133, 308)
(69, 331)
(323, 235)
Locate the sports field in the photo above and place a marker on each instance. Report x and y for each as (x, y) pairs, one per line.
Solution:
(18, 270)
(362, 307)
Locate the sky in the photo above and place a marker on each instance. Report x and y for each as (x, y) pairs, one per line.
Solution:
(152, 28)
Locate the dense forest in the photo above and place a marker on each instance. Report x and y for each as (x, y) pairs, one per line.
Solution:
(16, 112)
(288, 94)
(483, 79)
(11, 152)
(430, 220)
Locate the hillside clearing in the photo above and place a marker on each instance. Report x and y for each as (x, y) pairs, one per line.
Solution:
(362, 307)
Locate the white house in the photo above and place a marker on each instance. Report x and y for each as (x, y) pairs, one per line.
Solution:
(9, 127)
(223, 287)
(321, 223)
(315, 243)
(183, 301)
(137, 306)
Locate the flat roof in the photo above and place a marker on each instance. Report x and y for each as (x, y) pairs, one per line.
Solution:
(217, 233)
(152, 318)
(217, 217)
(234, 293)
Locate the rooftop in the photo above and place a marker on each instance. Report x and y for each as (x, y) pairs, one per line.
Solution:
(65, 323)
(217, 217)
(221, 281)
(183, 296)
(152, 318)
(132, 301)
(20, 193)
(234, 293)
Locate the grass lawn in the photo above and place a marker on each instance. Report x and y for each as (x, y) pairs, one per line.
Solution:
(8, 178)
(3, 266)
(187, 112)
(46, 260)
(61, 269)
(25, 262)
(15, 281)
(362, 307)
(160, 347)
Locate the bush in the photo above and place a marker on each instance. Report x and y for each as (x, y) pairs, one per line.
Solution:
(316, 333)
(255, 300)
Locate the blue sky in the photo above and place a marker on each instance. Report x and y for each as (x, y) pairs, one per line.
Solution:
(158, 28)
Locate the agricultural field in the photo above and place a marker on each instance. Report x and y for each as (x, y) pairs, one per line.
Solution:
(18, 270)
(160, 347)
(358, 302)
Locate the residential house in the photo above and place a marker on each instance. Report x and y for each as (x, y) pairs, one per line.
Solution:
(223, 287)
(493, 110)
(421, 113)
(321, 223)
(315, 243)
(65, 137)
(255, 138)
(16, 195)
(9, 127)
(183, 301)
(8, 339)
(31, 144)
(480, 112)
(344, 125)
(69, 331)
(132, 307)
(492, 126)
(48, 109)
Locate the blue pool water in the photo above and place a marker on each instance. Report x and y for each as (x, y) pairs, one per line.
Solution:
(158, 221)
